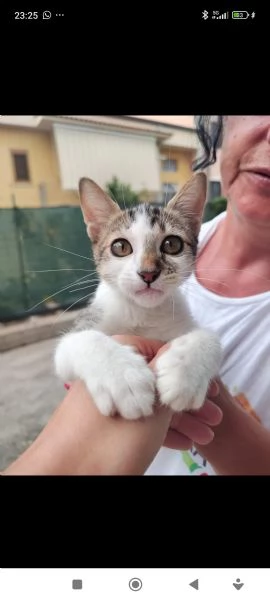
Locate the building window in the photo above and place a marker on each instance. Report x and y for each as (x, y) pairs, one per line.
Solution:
(169, 164)
(168, 192)
(214, 190)
(21, 168)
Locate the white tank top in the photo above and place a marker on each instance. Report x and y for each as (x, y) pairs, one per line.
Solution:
(243, 325)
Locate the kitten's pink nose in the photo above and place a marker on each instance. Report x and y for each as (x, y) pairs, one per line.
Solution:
(149, 276)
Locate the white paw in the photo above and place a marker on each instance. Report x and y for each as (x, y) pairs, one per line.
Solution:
(117, 378)
(126, 386)
(185, 370)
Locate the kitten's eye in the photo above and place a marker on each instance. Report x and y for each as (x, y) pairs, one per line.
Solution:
(121, 247)
(172, 245)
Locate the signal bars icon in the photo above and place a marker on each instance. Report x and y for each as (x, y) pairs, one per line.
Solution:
(216, 15)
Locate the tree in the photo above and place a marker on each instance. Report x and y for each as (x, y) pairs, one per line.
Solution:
(214, 207)
(121, 193)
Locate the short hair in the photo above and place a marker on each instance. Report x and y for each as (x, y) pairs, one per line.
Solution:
(209, 130)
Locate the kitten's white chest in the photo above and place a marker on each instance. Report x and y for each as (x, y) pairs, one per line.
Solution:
(164, 322)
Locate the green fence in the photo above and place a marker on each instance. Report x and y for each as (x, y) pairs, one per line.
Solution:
(32, 271)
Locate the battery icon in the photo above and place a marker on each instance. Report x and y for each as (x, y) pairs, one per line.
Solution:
(243, 14)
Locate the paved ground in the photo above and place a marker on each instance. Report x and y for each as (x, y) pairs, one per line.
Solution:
(29, 393)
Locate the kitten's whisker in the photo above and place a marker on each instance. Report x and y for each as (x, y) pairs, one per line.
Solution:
(79, 289)
(51, 270)
(220, 268)
(214, 281)
(123, 196)
(193, 288)
(69, 307)
(173, 308)
(88, 284)
(55, 294)
(236, 270)
(92, 280)
(68, 251)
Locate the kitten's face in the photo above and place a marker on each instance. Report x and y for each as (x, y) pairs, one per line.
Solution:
(146, 252)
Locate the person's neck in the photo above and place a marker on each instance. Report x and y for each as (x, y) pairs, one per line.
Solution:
(243, 242)
(236, 260)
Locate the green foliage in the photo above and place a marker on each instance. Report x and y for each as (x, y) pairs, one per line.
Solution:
(121, 193)
(214, 207)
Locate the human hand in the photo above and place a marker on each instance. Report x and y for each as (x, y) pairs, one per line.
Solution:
(195, 427)
(79, 440)
(186, 428)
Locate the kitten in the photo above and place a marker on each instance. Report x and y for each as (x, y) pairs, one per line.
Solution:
(142, 256)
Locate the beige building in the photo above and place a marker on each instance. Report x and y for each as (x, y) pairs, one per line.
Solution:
(43, 157)
(179, 120)
(213, 172)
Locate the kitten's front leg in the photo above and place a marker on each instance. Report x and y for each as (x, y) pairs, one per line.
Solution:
(118, 378)
(185, 370)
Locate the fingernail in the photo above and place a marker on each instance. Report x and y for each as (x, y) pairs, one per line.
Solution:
(209, 438)
(213, 390)
(212, 435)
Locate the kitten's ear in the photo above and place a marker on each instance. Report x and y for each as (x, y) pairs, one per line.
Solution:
(191, 199)
(97, 207)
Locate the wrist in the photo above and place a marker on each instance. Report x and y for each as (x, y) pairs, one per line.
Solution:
(241, 445)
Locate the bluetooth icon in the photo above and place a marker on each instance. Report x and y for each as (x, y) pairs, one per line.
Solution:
(205, 14)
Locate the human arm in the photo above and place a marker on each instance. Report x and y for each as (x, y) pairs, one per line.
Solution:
(240, 446)
(78, 440)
